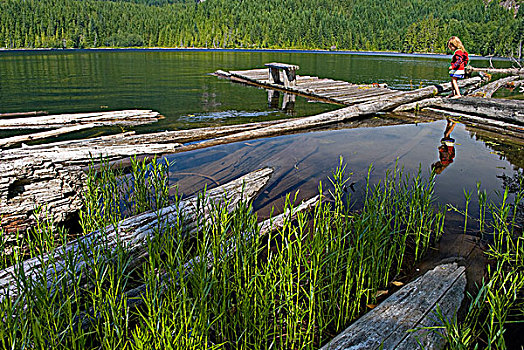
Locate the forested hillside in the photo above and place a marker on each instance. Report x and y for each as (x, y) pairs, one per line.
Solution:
(396, 25)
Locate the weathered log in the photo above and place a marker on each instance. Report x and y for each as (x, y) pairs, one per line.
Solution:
(489, 89)
(512, 71)
(125, 117)
(398, 322)
(97, 144)
(43, 135)
(418, 105)
(26, 183)
(509, 128)
(23, 114)
(57, 267)
(511, 111)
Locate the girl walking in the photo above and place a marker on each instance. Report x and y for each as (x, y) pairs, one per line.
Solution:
(458, 63)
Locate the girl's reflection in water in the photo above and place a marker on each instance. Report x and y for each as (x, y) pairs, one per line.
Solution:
(446, 150)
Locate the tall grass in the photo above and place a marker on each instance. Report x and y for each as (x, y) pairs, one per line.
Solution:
(499, 301)
(292, 289)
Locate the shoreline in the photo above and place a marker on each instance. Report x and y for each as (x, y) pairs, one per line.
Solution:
(204, 49)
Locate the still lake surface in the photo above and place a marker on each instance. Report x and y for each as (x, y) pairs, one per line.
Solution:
(176, 83)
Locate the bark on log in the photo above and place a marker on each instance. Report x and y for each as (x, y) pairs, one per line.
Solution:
(389, 325)
(56, 268)
(125, 117)
(489, 89)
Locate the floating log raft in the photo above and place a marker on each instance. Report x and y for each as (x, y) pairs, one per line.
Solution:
(132, 233)
(398, 321)
(335, 91)
(125, 117)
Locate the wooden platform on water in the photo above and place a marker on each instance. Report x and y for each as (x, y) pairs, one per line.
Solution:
(329, 90)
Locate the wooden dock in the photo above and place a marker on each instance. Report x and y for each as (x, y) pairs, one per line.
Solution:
(329, 90)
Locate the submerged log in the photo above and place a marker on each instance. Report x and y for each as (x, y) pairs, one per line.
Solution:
(56, 268)
(489, 89)
(397, 323)
(125, 117)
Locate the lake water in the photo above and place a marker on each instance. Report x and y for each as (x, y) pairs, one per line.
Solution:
(177, 84)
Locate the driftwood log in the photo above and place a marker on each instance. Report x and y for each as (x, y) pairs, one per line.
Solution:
(396, 323)
(56, 268)
(125, 117)
(10, 141)
(512, 71)
(489, 89)
(509, 111)
(22, 114)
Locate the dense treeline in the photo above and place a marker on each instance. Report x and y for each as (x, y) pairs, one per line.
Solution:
(396, 25)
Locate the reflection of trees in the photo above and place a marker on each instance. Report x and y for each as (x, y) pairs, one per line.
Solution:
(515, 184)
(511, 148)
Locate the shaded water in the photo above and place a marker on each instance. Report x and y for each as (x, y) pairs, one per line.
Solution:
(177, 84)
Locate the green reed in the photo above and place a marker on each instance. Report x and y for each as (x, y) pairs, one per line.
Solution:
(499, 301)
(291, 289)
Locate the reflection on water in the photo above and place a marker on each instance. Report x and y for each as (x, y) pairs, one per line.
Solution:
(446, 149)
(301, 161)
(288, 101)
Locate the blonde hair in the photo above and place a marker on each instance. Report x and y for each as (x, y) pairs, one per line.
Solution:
(456, 43)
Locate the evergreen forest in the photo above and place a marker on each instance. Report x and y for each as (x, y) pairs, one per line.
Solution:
(485, 27)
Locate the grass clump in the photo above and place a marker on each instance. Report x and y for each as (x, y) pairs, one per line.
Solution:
(226, 286)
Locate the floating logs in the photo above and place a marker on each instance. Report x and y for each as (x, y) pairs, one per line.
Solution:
(22, 188)
(125, 117)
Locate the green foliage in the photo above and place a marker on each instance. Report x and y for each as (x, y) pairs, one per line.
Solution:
(394, 25)
(229, 286)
